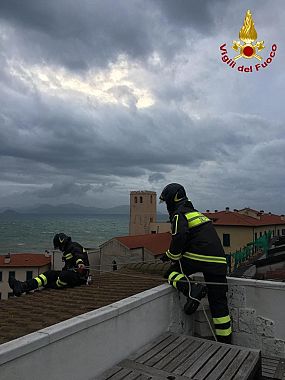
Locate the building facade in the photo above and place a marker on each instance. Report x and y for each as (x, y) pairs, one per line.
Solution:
(22, 266)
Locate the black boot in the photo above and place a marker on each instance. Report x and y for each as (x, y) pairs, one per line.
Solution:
(198, 291)
(18, 287)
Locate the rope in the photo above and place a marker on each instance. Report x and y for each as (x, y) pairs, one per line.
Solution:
(116, 272)
(199, 301)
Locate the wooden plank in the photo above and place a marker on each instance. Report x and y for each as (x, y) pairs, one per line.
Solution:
(150, 371)
(223, 364)
(189, 361)
(155, 349)
(202, 360)
(183, 353)
(109, 373)
(121, 374)
(212, 363)
(233, 368)
(171, 355)
(250, 367)
(143, 350)
(162, 353)
(280, 371)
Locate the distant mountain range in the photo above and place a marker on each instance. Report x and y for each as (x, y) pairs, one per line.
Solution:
(66, 209)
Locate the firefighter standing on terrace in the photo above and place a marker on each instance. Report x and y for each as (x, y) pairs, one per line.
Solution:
(196, 247)
(74, 273)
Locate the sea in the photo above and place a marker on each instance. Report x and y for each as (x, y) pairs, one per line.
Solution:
(33, 233)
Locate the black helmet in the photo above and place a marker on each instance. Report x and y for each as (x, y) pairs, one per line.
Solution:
(173, 194)
(60, 241)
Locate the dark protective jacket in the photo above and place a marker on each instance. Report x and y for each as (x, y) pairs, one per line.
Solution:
(73, 255)
(195, 239)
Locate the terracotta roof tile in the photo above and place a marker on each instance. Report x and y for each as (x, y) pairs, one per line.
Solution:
(155, 243)
(234, 218)
(24, 260)
(34, 311)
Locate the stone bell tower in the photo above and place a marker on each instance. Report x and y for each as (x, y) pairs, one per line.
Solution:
(142, 211)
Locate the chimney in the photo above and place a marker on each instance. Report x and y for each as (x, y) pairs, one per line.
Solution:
(207, 210)
(216, 210)
(235, 210)
(7, 258)
(227, 209)
(282, 217)
(261, 211)
(269, 213)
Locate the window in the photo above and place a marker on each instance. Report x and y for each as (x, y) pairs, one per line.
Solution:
(153, 232)
(151, 199)
(273, 233)
(10, 294)
(283, 231)
(151, 220)
(141, 199)
(255, 236)
(0, 295)
(29, 275)
(0, 276)
(12, 274)
(136, 199)
(278, 232)
(260, 234)
(226, 240)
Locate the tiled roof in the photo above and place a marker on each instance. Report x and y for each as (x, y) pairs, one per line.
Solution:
(34, 311)
(234, 218)
(155, 243)
(24, 260)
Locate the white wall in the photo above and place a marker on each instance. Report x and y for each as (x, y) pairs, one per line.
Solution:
(83, 347)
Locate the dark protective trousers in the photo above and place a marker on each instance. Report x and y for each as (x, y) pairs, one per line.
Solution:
(56, 279)
(217, 294)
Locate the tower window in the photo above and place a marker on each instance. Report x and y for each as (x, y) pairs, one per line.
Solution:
(141, 199)
(136, 199)
(151, 199)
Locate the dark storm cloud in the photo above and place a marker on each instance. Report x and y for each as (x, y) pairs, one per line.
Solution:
(79, 35)
(156, 177)
(58, 143)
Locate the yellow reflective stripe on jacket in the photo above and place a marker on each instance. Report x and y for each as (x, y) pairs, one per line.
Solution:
(172, 274)
(79, 261)
(209, 259)
(43, 278)
(224, 332)
(39, 281)
(60, 283)
(176, 224)
(177, 279)
(196, 218)
(173, 257)
(68, 256)
(220, 320)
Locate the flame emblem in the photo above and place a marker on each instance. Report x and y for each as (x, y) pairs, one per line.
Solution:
(247, 35)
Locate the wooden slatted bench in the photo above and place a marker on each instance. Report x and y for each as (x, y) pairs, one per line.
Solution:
(181, 357)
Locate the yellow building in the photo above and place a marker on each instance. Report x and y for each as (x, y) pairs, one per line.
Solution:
(235, 228)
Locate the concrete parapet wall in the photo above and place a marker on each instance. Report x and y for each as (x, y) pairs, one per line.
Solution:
(85, 346)
(257, 310)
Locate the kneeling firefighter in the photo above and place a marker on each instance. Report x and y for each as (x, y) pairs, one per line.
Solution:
(74, 273)
(196, 247)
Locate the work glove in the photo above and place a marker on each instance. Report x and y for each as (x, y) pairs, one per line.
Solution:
(80, 268)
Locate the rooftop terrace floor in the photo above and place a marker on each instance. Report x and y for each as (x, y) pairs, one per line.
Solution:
(181, 357)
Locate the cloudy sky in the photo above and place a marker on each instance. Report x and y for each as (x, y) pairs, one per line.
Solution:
(101, 97)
